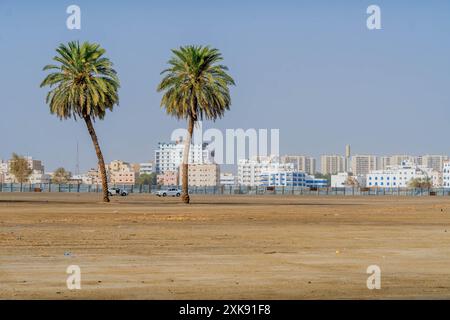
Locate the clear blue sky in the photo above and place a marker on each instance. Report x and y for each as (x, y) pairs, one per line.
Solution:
(310, 68)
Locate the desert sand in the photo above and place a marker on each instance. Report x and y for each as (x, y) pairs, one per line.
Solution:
(224, 247)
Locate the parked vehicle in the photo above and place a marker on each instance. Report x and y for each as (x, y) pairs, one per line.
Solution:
(174, 192)
(117, 192)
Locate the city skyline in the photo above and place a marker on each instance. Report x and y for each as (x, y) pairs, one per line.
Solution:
(323, 82)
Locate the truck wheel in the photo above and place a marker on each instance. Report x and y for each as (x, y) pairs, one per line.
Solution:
(164, 194)
(178, 194)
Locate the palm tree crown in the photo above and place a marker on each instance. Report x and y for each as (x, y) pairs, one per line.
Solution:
(85, 83)
(195, 84)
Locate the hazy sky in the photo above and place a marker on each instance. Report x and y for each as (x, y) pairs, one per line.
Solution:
(310, 68)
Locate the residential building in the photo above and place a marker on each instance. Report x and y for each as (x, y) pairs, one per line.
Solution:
(400, 176)
(202, 175)
(3, 170)
(120, 172)
(301, 163)
(435, 162)
(332, 164)
(345, 179)
(363, 164)
(277, 178)
(146, 168)
(228, 179)
(446, 175)
(273, 177)
(249, 170)
(169, 156)
(168, 178)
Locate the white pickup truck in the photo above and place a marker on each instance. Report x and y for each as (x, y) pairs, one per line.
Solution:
(174, 192)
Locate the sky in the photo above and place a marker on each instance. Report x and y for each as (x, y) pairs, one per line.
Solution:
(311, 69)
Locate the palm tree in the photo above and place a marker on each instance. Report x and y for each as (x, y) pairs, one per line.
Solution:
(195, 86)
(84, 85)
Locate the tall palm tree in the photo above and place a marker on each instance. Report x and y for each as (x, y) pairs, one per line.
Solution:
(84, 85)
(195, 86)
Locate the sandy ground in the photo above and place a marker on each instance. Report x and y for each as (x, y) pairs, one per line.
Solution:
(238, 247)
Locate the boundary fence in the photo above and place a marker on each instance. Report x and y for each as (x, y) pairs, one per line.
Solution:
(230, 190)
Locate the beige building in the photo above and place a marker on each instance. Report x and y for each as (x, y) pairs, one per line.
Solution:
(120, 172)
(363, 164)
(202, 175)
(332, 164)
(168, 178)
(301, 163)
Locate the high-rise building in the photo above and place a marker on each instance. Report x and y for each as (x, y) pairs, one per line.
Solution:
(332, 164)
(169, 156)
(301, 163)
(363, 164)
(435, 162)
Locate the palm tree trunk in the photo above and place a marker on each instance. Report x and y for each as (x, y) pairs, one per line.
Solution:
(101, 161)
(185, 165)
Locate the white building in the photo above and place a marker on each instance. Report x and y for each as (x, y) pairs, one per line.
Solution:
(332, 164)
(3, 170)
(446, 175)
(169, 156)
(228, 179)
(249, 171)
(281, 178)
(342, 179)
(400, 176)
(145, 168)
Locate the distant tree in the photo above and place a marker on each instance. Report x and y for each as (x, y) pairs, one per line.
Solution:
(351, 181)
(19, 168)
(61, 176)
(422, 183)
(319, 175)
(147, 179)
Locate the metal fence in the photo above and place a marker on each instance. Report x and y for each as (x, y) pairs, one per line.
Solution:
(230, 190)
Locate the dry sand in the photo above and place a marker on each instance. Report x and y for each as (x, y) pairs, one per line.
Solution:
(223, 247)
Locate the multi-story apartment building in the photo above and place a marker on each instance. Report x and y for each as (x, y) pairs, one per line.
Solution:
(435, 162)
(120, 172)
(363, 164)
(227, 179)
(202, 175)
(400, 176)
(332, 164)
(168, 178)
(37, 172)
(282, 178)
(301, 163)
(169, 156)
(446, 175)
(146, 168)
(249, 170)
(3, 170)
